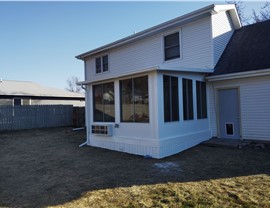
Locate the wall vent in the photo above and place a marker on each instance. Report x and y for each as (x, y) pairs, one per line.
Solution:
(102, 130)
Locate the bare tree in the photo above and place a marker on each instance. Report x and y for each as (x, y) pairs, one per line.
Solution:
(240, 10)
(264, 13)
(72, 84)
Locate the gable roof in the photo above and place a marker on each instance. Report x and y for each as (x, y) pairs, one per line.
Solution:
(247, 50)
(9, 88)
(184, 19)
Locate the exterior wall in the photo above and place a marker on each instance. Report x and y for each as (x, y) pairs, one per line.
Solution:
(183, 134)
(196, 52)
(135, 138)
(156, 138)
(201, 44)
(254, 106)
(222, 30)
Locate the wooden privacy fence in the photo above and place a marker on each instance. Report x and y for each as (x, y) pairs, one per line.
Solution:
(35, 116)
(78, 116)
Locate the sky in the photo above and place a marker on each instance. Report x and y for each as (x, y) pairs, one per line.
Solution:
(39, 40)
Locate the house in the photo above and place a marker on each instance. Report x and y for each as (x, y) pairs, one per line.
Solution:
(147, 94)
(30, 93)
(239, 88)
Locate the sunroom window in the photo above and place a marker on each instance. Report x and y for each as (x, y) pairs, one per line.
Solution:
(170, 97)
(188, 99)
(134, 100)
(103, 102)
(201, 100)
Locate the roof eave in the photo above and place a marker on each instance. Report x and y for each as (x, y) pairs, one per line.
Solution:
(238, 75)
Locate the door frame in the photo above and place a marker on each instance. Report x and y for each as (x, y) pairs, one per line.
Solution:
(217, 109)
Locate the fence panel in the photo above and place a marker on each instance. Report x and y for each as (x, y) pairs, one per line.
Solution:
(35, 116)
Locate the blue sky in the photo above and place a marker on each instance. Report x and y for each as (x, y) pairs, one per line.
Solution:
(39, 40)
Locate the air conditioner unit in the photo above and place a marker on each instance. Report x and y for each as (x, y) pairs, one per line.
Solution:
(102, 130)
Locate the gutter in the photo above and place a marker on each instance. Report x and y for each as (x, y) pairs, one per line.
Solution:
(239, 75)
(83, 144)
(153, 68)
(141, 71)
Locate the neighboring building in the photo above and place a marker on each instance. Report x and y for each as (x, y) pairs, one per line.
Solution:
(29, 93)
(147, 94)
(239, 88)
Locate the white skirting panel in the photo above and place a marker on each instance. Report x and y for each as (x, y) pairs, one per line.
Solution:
(173, 145)
(151, 148)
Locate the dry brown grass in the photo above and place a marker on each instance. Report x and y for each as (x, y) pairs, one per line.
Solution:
(247, 191)
(45, 168)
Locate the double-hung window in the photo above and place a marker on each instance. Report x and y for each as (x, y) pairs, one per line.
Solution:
(201, 100)
(102, 64)
(134, 100)
(171, 46)
(187, 99)
(103, 102)
(170, 97)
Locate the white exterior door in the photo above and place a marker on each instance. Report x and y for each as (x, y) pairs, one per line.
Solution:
(229, 115)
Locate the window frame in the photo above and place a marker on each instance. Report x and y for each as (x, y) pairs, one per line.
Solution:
(165, 48)
(132, 98)
(103, 104)
(188, 101)
(101, 58)
(201, 99)
(173, 100)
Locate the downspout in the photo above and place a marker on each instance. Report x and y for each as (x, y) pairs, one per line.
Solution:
(84, 143)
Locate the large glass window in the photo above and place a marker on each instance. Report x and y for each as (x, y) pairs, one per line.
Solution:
(170, 96)
(103, 100)
(201, 100)
(188, 99)
(134, 100)
(171, 46)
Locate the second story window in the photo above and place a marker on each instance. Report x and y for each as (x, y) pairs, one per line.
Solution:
(171, 46)
(102, 64)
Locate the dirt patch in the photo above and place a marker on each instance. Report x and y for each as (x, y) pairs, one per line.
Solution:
(46, 167)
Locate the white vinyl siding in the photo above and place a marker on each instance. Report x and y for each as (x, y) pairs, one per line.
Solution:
(195, 47)
(222, 29)
(254, 106)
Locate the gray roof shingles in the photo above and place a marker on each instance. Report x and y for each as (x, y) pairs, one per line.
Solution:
(248, 50)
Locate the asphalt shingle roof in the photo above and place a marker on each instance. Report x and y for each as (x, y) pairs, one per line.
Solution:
(248, 50)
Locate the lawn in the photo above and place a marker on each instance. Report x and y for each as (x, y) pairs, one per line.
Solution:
(46, 168)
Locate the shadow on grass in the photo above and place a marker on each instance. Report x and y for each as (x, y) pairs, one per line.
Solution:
(45, 167)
